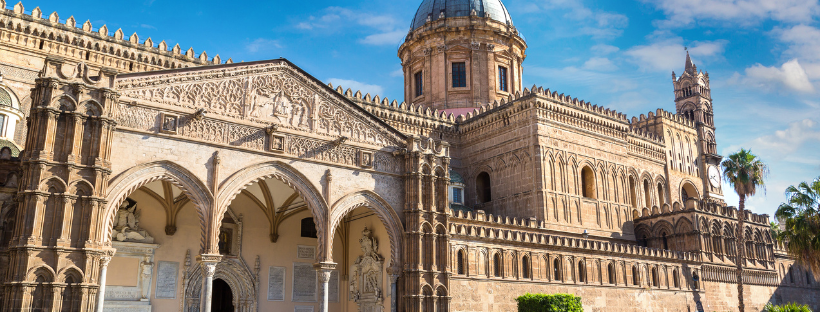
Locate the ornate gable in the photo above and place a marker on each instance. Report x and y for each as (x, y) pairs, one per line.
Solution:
(272, 92)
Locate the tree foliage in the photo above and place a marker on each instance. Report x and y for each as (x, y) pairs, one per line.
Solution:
(746, 173)
(549, 303)
(789, 307)
(801, 217)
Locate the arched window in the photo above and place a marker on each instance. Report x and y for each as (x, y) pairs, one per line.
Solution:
(525, 267)
(688, 191)
(582, 272)
(791, 275)
(636, 276)
(655, 277)
(633, 197)
(665, 242)
(460, 262)
(661, 197)
(556, 268)
(483, 188)
(647, 195)
(675, 278)
(610, 270)
(497, 265)
(588, 182)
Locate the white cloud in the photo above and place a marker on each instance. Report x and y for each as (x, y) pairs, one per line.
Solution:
(735, 12)
(383, 29)
(594, 23)
(790, 75)
(669, 54)
(784, 142)
(356, 86)
(803, 41)
(397, 73)
(261, 44)
(393, 37)
(604, 49)
(599, 64)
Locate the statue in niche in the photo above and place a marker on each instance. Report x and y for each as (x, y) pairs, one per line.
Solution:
(126, 226)
(366, 280)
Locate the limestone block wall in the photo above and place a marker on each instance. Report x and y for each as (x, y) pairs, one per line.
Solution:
(474, 295)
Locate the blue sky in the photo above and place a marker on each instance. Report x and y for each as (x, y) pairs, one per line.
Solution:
(763, 56)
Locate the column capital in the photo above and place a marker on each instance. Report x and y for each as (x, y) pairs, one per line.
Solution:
(324, 276)
(208, 263)
(106, 256)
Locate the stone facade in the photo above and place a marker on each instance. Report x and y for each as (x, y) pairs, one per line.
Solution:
(254, 181)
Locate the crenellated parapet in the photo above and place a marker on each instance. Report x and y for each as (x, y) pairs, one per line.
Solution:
(480, 226)
(100, 47)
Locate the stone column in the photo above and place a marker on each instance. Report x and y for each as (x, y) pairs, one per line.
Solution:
(104, 261)
(324, 269)
(208, 264)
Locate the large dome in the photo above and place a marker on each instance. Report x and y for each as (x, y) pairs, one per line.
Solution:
(493, 9)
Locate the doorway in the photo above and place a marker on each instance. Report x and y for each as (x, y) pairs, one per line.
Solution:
(222, 300)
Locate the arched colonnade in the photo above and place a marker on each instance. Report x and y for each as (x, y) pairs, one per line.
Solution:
(211, 207)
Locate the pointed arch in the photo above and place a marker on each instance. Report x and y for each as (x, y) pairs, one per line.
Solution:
(384, 212)
(132, 179)
(235, 183)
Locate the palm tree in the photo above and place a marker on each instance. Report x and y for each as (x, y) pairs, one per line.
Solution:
(801, 214)
(745, 172)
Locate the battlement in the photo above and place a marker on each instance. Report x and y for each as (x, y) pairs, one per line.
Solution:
(488, 226)
(58, 37)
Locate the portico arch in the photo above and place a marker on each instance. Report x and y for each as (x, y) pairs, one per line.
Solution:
(241, 281)
(132, 179)
(384, 212)
(244, 178)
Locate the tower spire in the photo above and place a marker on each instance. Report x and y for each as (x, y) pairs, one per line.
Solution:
(690, 67)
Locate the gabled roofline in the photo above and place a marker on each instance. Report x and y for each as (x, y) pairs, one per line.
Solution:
(271, 61)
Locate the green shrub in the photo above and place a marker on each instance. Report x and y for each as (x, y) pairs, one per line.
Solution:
(789, 307)
(549, 303)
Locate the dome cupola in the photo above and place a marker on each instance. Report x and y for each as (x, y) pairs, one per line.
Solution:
(461, 54)
(431, 10)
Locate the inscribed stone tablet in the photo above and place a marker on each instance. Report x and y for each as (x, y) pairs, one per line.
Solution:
(167, 280)
(304, 282)
(333, 287)
(276, 284)
(305, 252)
(303, 309)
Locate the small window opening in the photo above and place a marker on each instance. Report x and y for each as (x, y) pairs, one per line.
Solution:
(418, 79)
(484, 188)
(309, 228)
(459, 75)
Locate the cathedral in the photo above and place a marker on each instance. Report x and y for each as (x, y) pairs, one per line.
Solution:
(135, 176)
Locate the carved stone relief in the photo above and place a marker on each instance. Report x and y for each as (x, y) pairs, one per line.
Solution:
(267, 93)
(367, 276)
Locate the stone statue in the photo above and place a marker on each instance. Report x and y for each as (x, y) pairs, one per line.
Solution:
(145, 281)
(366, 280)
(126, 226)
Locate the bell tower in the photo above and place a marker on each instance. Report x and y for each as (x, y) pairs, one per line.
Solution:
(693, 100)
(461, 54)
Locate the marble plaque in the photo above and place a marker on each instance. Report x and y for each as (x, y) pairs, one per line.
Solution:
(333, 287)
(167, 272)
(303, 309)
(304, 282)
(305, 252)
(276, 284)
